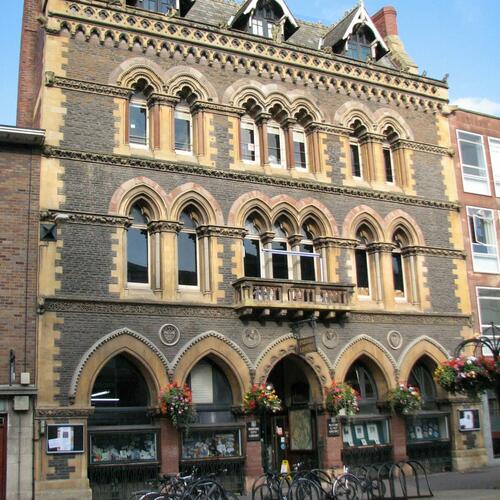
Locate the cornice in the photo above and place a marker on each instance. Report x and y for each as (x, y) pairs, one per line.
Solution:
(52, 80)
(287, 61)
(225, 175)
(385, 317)
(335, 243)
(423, 147)
(63, 412)
(75, 217)
(222, 231)
(435, 252)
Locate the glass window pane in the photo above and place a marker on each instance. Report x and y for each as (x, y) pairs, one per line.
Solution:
(182, 134)
(490, 311)
(470, 137)
(274, 148)
(472, 154)
(280, 262)
(138, 124)
(300, 154)
(388, 165)
(248, 144)
(307, 271)
(188, 272)
(397, 272)
(252, 258)
(137, 256)
(355, 161)
(362, 280)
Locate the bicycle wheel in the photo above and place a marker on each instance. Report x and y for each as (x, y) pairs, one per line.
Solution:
(347, 487)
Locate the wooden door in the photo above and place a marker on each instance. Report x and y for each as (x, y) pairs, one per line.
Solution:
(3, 456)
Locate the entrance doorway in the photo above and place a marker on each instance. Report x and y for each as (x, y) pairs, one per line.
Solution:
(292, 434)
(3, 456)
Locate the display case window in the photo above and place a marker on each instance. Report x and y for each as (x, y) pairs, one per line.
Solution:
(426, 429)
(211, 443)
(365, 433)
(123, 447)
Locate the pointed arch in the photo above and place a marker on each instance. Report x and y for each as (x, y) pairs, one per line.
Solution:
(149, 359)
(386, 117)
(364, 346)
(312, 208)
(399, 218)
(421, 346)
(363, 214)
(193, 193)
(131, 190)
(351, 111)
(129, 72)
(180, 76)
(219, 346)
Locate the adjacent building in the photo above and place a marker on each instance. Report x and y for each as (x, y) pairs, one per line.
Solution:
(476, 138)
(228, 196)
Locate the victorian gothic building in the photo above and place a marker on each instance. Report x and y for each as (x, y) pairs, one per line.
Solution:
(228, 196)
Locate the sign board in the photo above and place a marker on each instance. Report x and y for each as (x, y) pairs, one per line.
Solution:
(253, 431)
(333, 427)
(64, 438)
(468, 420)
(305, 345)
(305, 333)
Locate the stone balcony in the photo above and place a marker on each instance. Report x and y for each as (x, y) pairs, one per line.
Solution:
(260, 297)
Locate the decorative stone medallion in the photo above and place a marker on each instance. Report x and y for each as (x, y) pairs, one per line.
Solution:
(330, 339)
(395, 339)
(169, 334)
(251, 337)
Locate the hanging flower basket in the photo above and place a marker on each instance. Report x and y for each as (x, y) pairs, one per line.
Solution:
(405, 399)
(342, 399)
(469, 375)
(176, 403)
(261, 398)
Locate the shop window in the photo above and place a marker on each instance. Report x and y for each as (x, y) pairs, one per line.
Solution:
(138, 269)
(300, 148)
(473, 161)
(187, 250)
(280, 252)
(252, 249)
(249, 141)
(388, 164)
(138, 120)
(360, 378)
(421, 378)
(276, 145)
(483, 240)
(183, 129)
(308, 257)
(495, 162)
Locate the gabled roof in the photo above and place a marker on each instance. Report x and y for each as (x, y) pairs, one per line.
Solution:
(344, 28)
(249, 6)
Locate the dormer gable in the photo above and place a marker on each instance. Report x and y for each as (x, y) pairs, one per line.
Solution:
(356, 36)
(180, 7)
(267, 18)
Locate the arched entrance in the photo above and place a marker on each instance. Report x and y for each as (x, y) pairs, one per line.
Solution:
(292, 434)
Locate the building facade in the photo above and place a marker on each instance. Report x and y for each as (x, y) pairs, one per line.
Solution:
(236, 197)
(476, 138)
(19, 188)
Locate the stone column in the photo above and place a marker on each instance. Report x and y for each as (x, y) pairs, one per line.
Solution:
(170, 447)
(398, 434)
(261, 122)
(253, 460)
(332, 449)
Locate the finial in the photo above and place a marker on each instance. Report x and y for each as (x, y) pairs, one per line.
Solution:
(361, 3)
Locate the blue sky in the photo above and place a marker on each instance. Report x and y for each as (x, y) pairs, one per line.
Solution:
(458, 37)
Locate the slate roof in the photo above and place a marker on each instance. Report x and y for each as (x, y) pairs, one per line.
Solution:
(337, 31)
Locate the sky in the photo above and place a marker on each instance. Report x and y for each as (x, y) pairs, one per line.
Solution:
(456, 37)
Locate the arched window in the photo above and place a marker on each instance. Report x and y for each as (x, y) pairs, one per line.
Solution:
(398, 273)
(300, 148)
(280, 247)
(363, 260)
(307, 263)
(139, 116)
(275, 145)
(252, 248)
(183, 129)
(138, 269)
(359, 44)
(355, 150)
(187, 249)
(249, 140)
(388, 155)
(360, 378)
(264, 18)
(421, 377)
(161, 6)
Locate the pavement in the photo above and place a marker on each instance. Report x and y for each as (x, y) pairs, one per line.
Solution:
(481, 484)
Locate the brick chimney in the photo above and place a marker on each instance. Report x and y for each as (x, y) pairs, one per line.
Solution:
(386, 21)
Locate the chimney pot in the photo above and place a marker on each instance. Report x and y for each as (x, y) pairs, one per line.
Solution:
(386, 21)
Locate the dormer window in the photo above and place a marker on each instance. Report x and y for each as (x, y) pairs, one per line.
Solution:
(265, 18)
(360, 43)
(161, 6)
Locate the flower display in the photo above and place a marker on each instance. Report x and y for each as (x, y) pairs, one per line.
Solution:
(342, 397)
(405, 399)
(261, 398)
(467, 374)
(176, 402)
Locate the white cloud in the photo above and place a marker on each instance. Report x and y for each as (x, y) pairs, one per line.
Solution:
(479, 104)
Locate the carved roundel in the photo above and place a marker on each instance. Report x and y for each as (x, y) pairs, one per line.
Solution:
(169, 334)
(251, 337)
(330, 339)
(395, 339)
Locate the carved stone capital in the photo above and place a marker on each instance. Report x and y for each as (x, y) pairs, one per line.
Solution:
(164, 226)
(222, 231)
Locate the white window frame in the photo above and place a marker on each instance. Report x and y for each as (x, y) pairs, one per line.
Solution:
(316, 260)
(355, 142)
(470, 177)
(138, 103)
(387, 147)
(276, 126)
(255, 237)
(404, 297)
(249, 124)
(495, 256)
(368, 296)
(495, 168)
(257, 26)
(133, 284)
(481, 325)
(300, 131)
(184, 113)
(198, 276)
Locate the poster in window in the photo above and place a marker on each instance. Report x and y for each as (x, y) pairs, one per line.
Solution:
(300, 430)
(373, 433)
(64, 439)
(468, 420)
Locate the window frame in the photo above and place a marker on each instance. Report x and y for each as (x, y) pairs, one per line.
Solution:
(470, 176)
(184, 110)
(138, 103)
(198, 268)
(399, 295)
(305, 241)
(134, 284)
(387, 147)
(302, 132)
(363, 247)
(495, 171)
(254, 237)
(249, 124)
(157, 10)
(478, 298)
(472, 243)
(276, 126)
(355, 143)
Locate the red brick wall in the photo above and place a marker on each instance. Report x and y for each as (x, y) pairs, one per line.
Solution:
(487, 127)
(29, 61)
(386, 21)
(18, 257)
